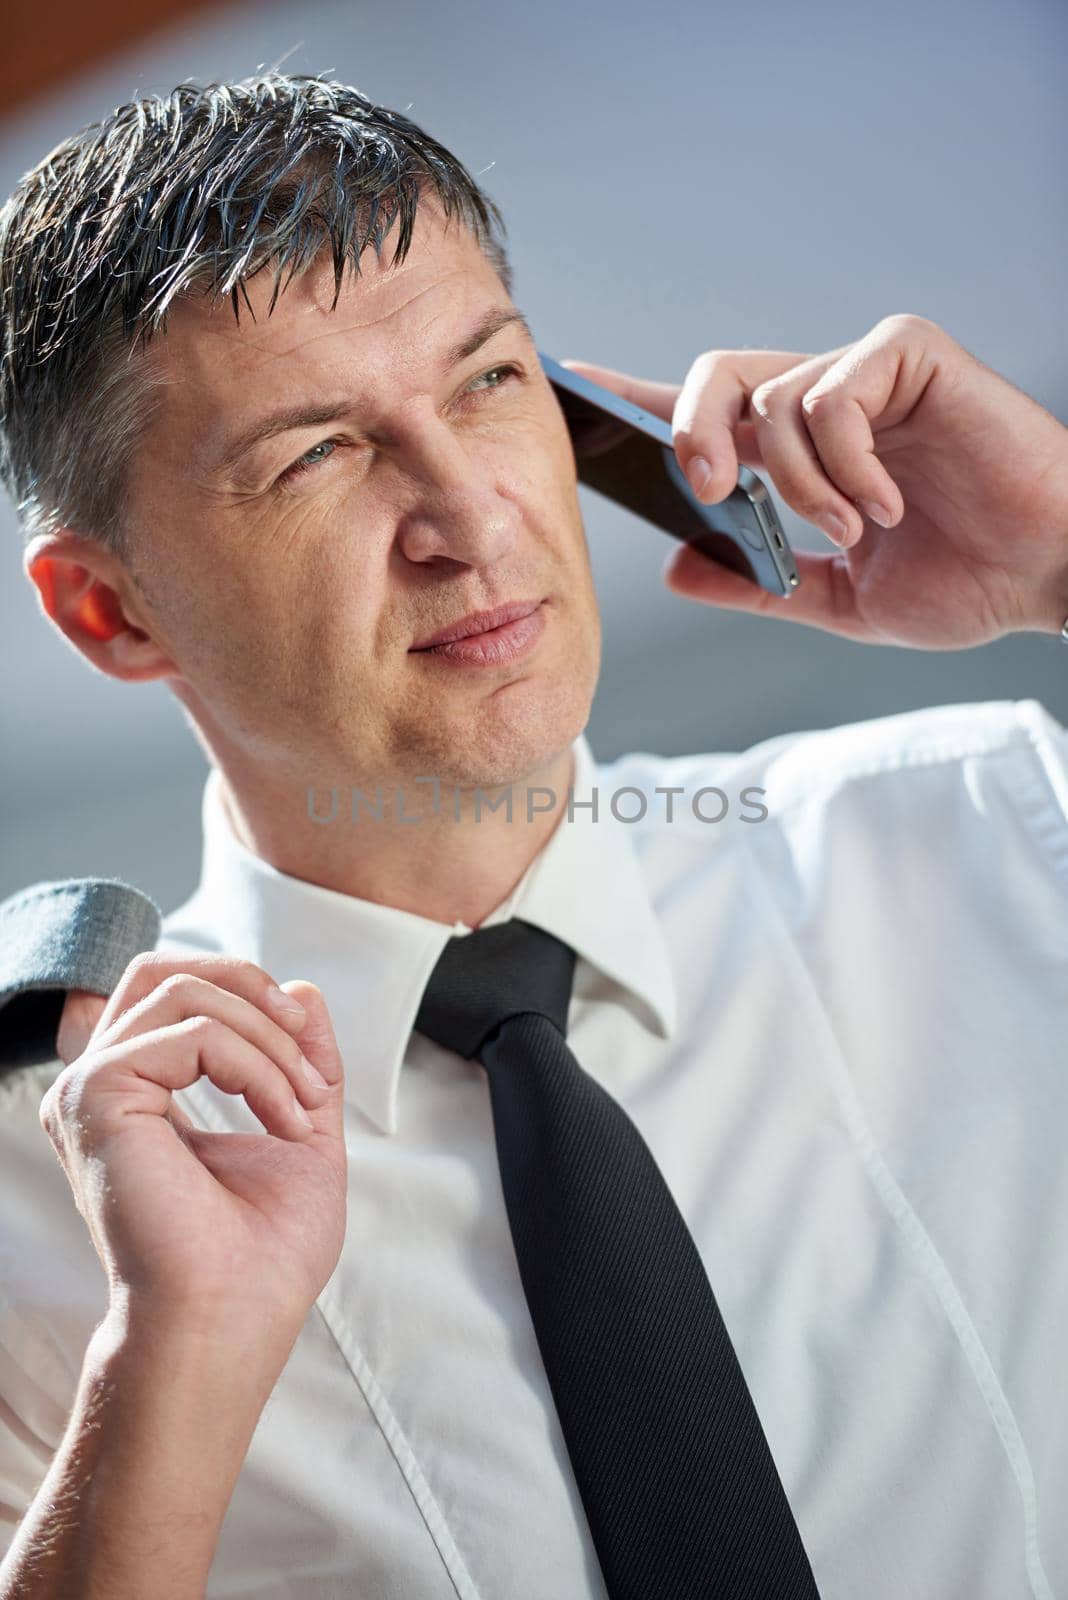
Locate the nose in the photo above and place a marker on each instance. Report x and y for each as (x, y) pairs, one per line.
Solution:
(457, 508)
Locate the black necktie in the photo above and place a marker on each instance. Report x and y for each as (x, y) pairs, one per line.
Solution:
(681, 1493)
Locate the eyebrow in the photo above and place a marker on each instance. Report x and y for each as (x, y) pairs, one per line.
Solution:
(300, 415)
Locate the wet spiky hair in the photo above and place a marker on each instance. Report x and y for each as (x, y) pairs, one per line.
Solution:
(195, 192)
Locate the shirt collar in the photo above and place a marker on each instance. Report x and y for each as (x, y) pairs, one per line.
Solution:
(372, 962)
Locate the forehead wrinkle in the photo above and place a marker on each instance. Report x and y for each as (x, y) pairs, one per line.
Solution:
(256, 346)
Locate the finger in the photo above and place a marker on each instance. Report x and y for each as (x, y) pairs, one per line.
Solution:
(712, 423)
(138, 1076)
(839, 410)
(187, 994)
(319, 1044)
(824, 598)
(659, 398)
(229, 972)
(795, 466)
(316, 1038)
(662, 400)
(82, 1011)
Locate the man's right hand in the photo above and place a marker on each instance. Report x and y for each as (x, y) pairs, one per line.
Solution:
(194, 1226)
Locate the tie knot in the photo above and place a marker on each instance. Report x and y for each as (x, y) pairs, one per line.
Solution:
(493, 973)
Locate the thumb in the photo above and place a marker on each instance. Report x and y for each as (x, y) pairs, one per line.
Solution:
(79, 1017)
(317, 1041)
(659, 398)
(825, 598)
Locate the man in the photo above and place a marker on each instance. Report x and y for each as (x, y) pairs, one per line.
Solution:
(315, 1362)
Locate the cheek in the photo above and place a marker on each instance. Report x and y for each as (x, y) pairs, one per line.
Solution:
(298, 566)
(558, 480)
(536, 469)
(330, 593)
(548, 444)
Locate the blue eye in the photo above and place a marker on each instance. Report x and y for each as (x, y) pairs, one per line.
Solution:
(505, 367)
(309, 460)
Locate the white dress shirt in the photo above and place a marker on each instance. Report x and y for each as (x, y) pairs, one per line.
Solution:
(841, 1030)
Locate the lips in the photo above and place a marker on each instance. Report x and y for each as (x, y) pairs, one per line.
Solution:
(479, 622)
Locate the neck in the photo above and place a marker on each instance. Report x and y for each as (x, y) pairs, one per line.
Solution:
(453, 863)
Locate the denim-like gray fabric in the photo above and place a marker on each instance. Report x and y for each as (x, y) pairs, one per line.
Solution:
(76, 933)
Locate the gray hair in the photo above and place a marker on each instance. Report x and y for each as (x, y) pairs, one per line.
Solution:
(192, 193)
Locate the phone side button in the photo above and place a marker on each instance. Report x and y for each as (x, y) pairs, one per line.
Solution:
(751, 535)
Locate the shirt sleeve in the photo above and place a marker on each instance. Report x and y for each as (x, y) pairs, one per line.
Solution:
(1039, 795)
(77, 933)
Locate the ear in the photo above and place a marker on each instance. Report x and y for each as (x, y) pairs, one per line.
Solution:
(89, 595)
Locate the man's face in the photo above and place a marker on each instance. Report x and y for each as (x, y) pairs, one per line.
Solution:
(290, 600)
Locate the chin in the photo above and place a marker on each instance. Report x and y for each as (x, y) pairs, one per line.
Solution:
(515, 734)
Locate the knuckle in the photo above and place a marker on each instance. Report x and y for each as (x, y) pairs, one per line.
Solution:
(202, 1028)
(906, 323)
(141, 975)
(146, 962)
(766, 397)
(172, 984)
(822, 402)
(177, 985)
(240, 966)
(707, 363)
(245, 978)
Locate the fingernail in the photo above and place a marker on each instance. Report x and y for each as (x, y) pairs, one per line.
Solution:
(301, 1114)
(284, 1002)
(698, 473)
(312, 1075)
(834, 526)
(877, 513)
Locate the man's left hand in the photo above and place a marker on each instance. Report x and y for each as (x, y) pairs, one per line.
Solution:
(972, 473)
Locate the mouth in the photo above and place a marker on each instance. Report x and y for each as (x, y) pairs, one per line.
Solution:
(486, 637)
(477, 622)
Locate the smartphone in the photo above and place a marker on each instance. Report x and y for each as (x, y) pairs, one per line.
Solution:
(626, 454)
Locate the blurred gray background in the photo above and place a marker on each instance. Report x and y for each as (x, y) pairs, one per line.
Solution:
(674, 178)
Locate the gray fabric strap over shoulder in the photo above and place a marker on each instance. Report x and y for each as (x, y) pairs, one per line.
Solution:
(76, 933)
